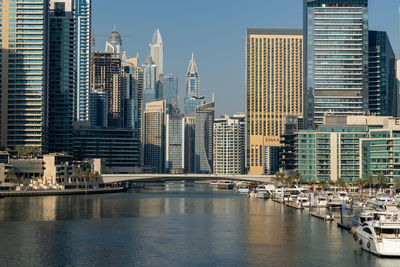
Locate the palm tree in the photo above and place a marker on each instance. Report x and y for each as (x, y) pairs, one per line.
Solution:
(296, 177)
(340, 182)
(77, 174)
(311, 182)
(397, 185)
(11, 176)
(381, 180)
(360, 182)
(86, 176)
(370, 180)
(279, 178)
(97, 177)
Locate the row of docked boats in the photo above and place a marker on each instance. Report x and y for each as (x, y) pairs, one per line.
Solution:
(376, 227)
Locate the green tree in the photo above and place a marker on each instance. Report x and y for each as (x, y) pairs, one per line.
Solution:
(11, 176)
(370, 181)
(296, 177)
(340, 182)
(361, 183)
(381, 180)
(77, 174)
(279, 178)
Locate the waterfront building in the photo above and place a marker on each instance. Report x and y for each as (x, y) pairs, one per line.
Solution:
(106, 76)
(189, 144)
(274, 89)
(350, 147)
(287, 159)
(157, 54)
(4, 165)
(24, 74)
(382, 90)
(204, 124)
(83, 52)
(61, 76)
(192, 79)
(98, 108)
(114, 45)
(229, 144)
(57, 168)
(149, 81)
(190, 104)
(271, 159)
(175, 143)
(153, 135)
(170, 91)
(335, 59)
(118, 148)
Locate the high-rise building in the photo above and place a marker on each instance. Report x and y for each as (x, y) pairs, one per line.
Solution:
(149, 81)
(274, 88)
(335, 59)
(24, 80)
(154, 135)
(229, 144)
(190, 104)
(204, 128)
(157, 54)
(192, 79)
(61, 76)
(114, 45)
(132, 101)
(170, 91)
(382, 89)
(175, 144)
(98, 108)
(106, 76)
(189, 144)
(83, 31)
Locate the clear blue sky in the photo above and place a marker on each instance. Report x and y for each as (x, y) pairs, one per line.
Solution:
(215, 31)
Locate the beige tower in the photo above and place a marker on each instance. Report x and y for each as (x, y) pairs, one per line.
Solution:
(274, 88)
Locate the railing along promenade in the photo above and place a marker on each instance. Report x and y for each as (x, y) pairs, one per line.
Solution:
(118, 178)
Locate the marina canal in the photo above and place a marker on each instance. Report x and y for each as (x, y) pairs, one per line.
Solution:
(173, 224)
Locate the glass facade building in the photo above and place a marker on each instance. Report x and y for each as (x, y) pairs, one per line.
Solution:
(61, 76)
(192, 79)
(149, 81)
(175, 143)
(335, 58)
(350, 147)
(204, 121)
(190, 103)
(83, 31)
(382, 89)
(24, 74)
(170, 90)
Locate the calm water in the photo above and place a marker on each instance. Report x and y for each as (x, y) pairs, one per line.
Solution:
(171, 225)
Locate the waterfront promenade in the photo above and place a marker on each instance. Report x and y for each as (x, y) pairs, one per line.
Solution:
(86, 191)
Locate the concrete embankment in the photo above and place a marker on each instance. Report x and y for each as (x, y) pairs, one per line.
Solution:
(62, 192)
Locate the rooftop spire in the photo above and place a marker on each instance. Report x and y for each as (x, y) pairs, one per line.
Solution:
(157, 37)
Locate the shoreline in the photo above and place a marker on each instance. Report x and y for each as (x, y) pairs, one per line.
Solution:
(61, 192)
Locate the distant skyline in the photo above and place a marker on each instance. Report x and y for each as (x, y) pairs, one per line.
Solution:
(215, 32)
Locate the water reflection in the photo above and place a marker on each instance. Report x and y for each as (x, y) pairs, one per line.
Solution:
(172, 224)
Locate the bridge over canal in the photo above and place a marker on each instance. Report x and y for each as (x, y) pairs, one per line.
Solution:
(118, 178)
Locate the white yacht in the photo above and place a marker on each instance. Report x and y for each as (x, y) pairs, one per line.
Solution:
(302, 201)
(333, 202)
(321, 201)
(343, 195)
(380, 236)
(262, 192)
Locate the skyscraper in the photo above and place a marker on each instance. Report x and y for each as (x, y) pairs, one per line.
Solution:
(335, 58)
(170, 91)
(106, 76)
(274, 88)
(149, 81)
(189, 143)
(83, 31)
(229, 144)
(98, 108)
(204, 123)
(61, 76)
(175, 144)
(192, 79)
(382, 90)
(114, 45)
(154, 135)
(157, 54)
(24, 80)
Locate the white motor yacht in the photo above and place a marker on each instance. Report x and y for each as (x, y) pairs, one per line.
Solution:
(380, 236)
(343, 195)
(262, 192)
(334, 202)
(302, 201)
(321, 201)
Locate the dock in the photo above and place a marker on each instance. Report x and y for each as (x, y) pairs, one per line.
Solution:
(62, 192)
(320, 216)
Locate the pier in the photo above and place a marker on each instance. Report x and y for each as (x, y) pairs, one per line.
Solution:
(62, 192)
